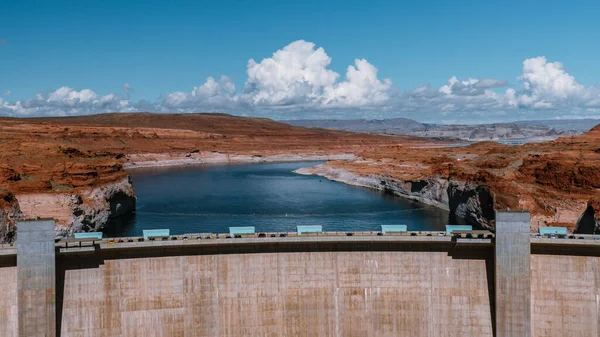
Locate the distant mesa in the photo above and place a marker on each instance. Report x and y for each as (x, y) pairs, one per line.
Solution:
(525, 131)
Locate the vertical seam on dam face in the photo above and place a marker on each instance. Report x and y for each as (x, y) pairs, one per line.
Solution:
(36, 279)
(513, 275)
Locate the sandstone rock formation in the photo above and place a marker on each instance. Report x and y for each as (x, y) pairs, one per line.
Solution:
(470, 203)
(552, 180)
(589, 222)
(522, 131)
(103, 205)
(9, 213)
(73, 169)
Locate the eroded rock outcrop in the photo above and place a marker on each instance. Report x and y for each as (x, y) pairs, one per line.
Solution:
(84, 210)
(466, 202)
(589, 222)
(72, 169)
(9, 214)
(99, 208)
(471, 203)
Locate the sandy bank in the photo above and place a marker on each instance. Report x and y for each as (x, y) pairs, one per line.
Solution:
(471, 202)
(465, 202)
(376, 182)
(170, 159)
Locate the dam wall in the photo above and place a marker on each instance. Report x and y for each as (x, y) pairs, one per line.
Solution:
(311, 290)
(368, 291)
(565, 295)
(311, 286)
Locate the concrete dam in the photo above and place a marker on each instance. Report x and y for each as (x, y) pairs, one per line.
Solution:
(417, 284)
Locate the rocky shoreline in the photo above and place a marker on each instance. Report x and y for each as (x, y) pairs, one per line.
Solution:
(84, 211)
(197, 158)
(470, 203)
(467, 202)
(75, 169)
(95, 209)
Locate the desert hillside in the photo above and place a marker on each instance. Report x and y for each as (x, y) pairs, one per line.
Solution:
(521, 131)
(74, 169)
(557, 181)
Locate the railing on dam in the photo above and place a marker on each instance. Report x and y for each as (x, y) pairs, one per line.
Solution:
(64, 245)
(571, 239)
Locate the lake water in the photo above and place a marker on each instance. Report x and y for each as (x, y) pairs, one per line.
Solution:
(270, 197)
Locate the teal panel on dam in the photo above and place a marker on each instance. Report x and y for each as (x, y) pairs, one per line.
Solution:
(309, 229)
(156, 233)
(393, 229)
(241, 230)
(92, 235)
(553, 230)
(451, 228)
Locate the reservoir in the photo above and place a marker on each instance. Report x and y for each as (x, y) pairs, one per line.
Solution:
(270, 197)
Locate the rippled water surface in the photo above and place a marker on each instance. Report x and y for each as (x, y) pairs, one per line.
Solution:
(202, 199)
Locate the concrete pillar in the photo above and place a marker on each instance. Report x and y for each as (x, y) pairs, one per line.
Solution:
(36, 278)
(512, 275)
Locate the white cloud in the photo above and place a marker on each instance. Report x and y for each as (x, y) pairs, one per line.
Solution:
(127, 88)
(360, 88)
(546, 85)
(471, 86)
(7, 93)
(297, 82)
(296, 74)
(70, 96)
(210, 95)
(64, 101)
(545, 79)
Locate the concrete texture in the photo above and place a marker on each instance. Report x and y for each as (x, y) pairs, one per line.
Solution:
(565, 295)
(512, 275)
(8, 299)
(36, 278)
(310, 290)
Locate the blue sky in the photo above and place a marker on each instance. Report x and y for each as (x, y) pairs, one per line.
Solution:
(160, 49)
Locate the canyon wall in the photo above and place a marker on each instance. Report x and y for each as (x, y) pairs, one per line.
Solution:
(9, 213)
(468, 202)
(87, 210)
(589, 221)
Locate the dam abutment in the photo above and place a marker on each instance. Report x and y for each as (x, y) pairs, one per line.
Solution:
(512, 274)
(36, 278)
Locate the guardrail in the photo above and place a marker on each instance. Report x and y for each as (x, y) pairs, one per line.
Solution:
(66, 243)
(567, 236)
(462, 234)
